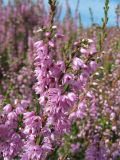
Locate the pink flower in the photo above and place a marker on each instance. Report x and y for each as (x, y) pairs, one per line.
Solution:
(8, 108)
(93, 66)
(47, 34)
(78, 63)
(84, 51)
(12, 116)
(68, 78)
(51, 44)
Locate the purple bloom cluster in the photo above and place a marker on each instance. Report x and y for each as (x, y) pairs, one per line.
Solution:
(61, 86)
(59, 91)
(10, 130)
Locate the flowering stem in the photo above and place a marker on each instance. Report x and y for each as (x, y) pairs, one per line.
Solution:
(52, 4)
(103, 34)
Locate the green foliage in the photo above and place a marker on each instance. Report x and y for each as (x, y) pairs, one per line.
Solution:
(4, 63)
(74, 129)
(104, 123)
(103, 34)
(66, 150)
(20, 121)
(108, 67)
(54, 155)
(117, 46)
(53, 8)
(91, 16)
(80, 21)
(37, 107)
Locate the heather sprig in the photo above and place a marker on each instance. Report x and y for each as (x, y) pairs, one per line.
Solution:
(91, 16)
(59, 95)
(53, 8)
(103, 33)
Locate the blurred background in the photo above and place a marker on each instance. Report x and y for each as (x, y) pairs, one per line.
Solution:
(83, 33)
(96, 7)
(84, 8)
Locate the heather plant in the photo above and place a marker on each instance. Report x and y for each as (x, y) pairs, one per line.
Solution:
(91, 16)
(103, 33)
(117, 11)
(19, 20)
(60, 97)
